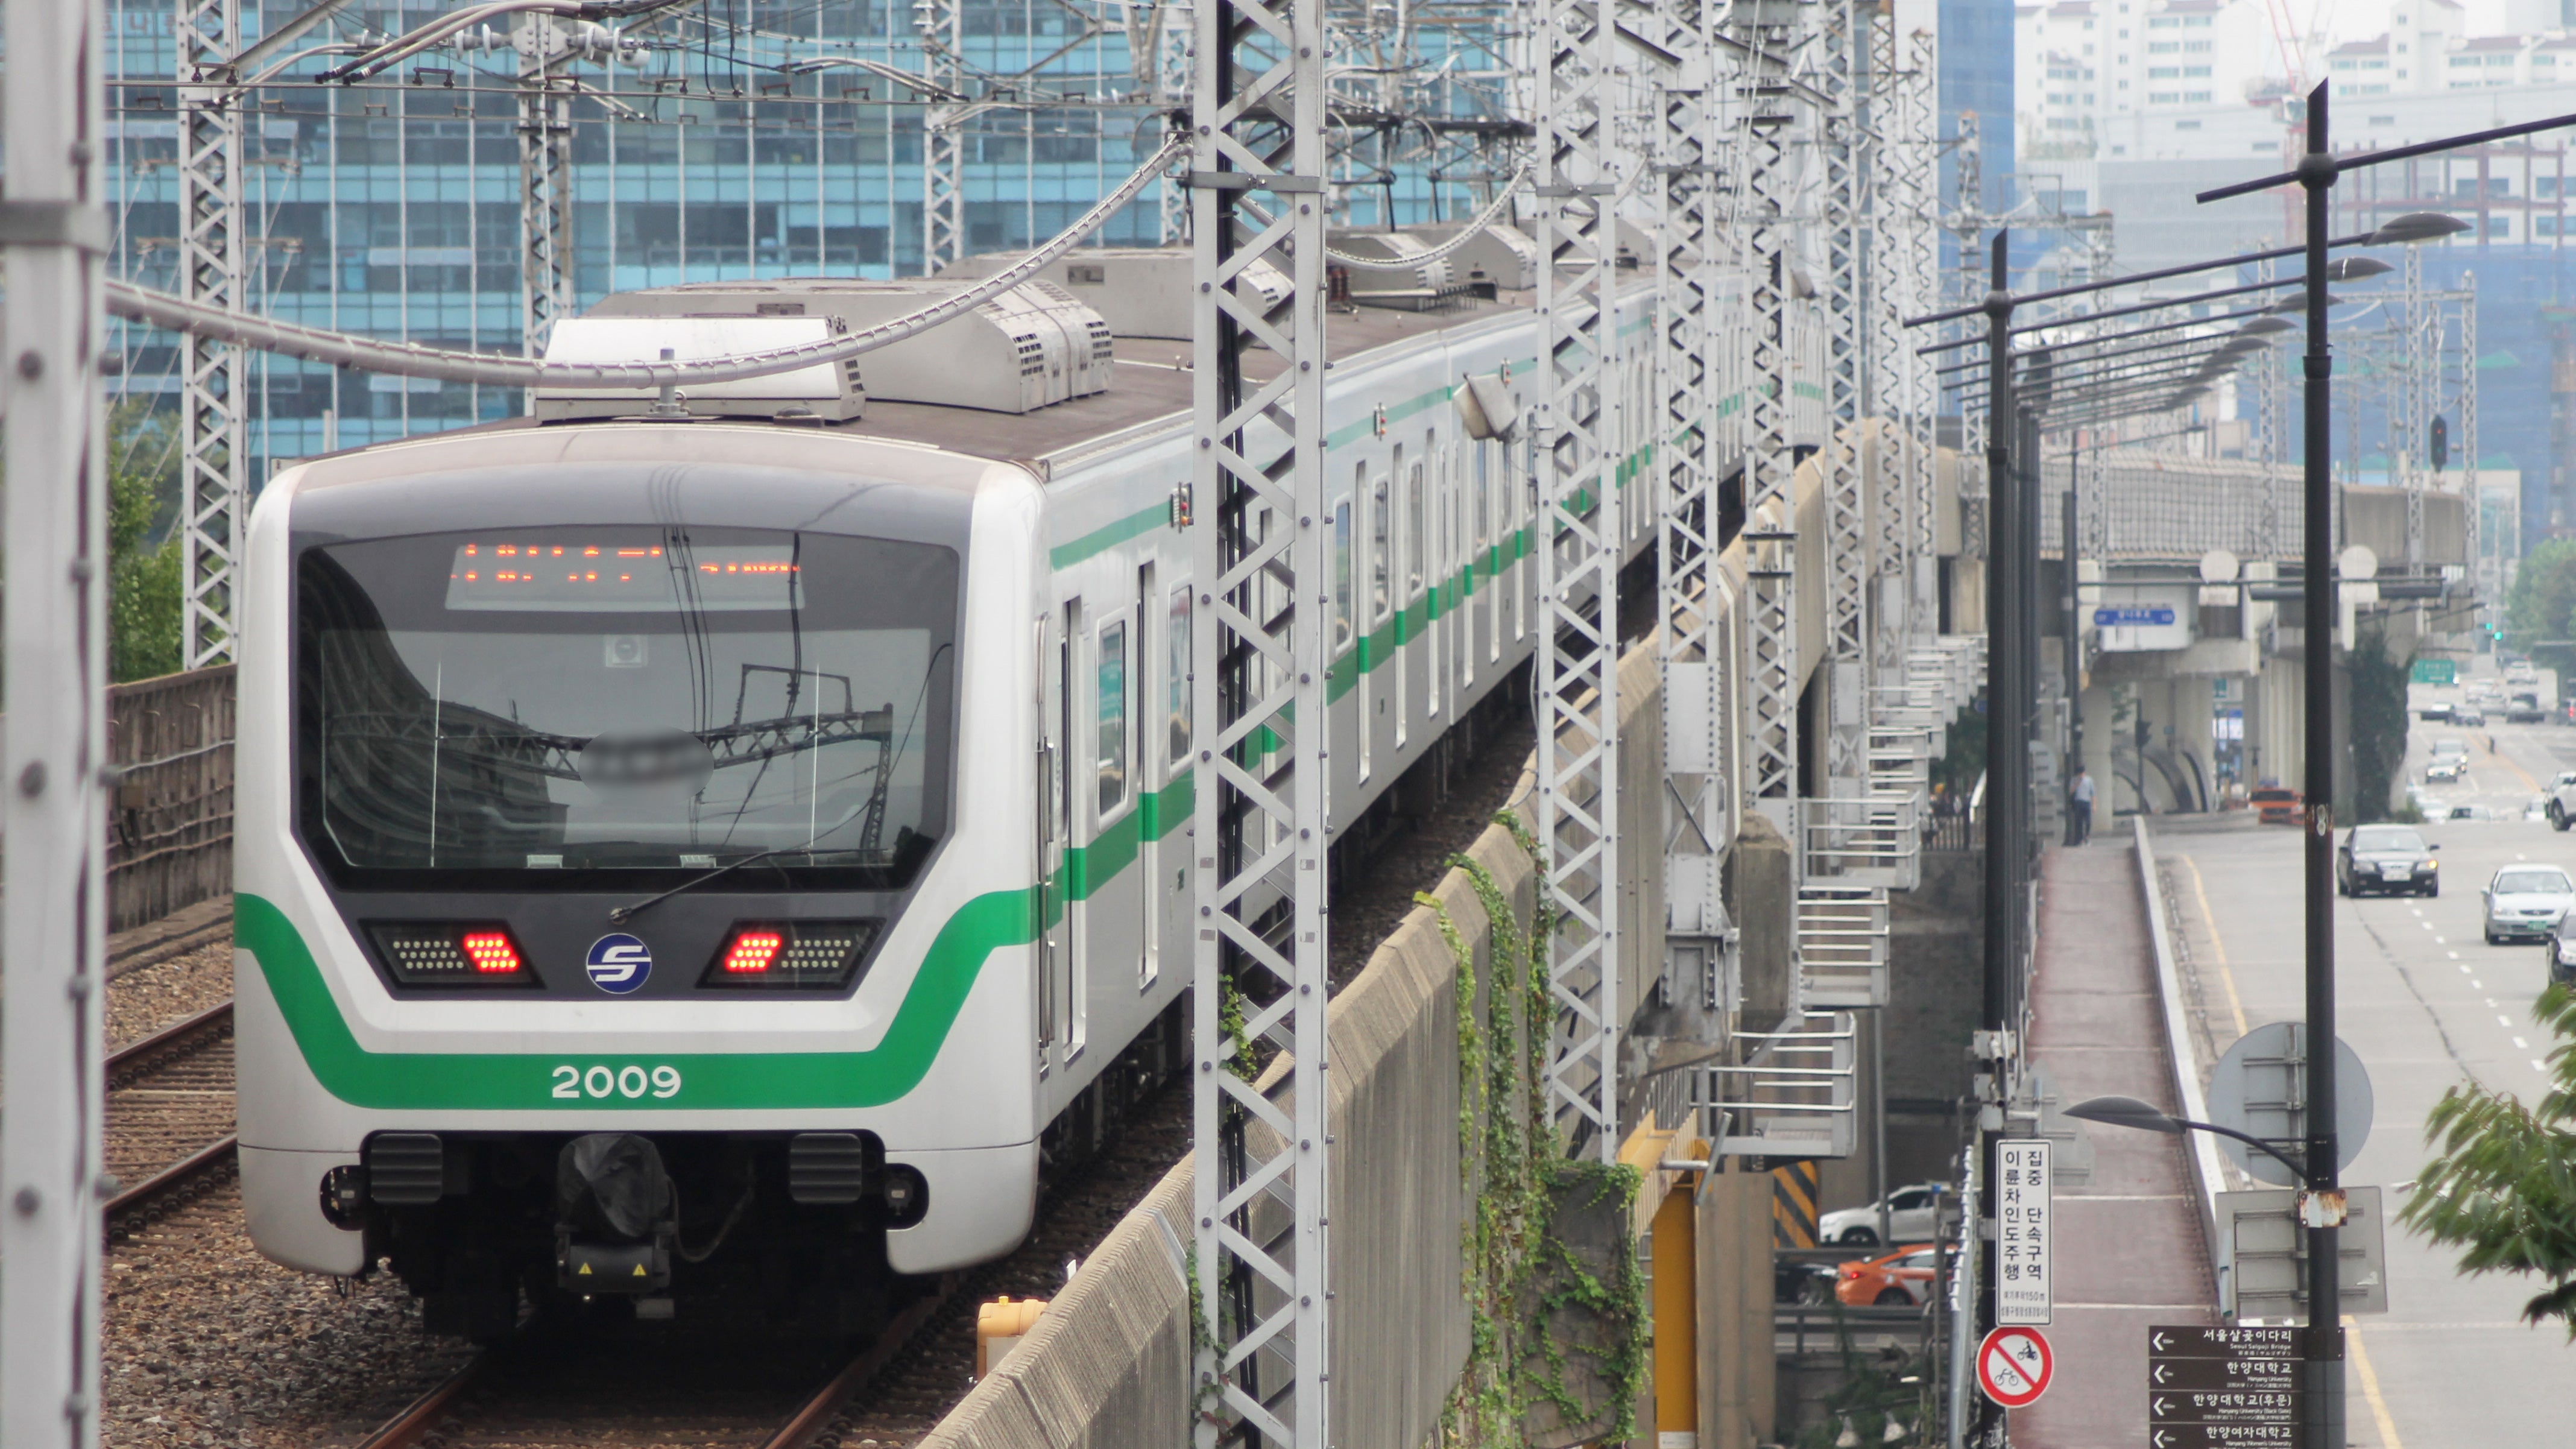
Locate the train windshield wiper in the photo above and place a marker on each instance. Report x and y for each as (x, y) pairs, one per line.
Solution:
(620, 915)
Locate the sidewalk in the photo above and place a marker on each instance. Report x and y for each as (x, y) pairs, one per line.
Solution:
(2128, 1247)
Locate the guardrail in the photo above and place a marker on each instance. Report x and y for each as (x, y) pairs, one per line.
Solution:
(1842, 945)
(1872, 840)
(2200, 1149)
(170, 819)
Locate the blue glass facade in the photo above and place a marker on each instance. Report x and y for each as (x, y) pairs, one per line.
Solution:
(1977, 75)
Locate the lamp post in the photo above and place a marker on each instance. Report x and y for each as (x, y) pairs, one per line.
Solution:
(2012, 605)
(2321, 1206)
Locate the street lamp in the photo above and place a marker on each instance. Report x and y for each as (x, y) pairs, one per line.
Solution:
(2130, 1112)
(2322, 1205)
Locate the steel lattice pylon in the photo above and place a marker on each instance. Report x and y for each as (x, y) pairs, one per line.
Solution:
(1844, 81)
(1259, 658)
(1578, 535)
(943, 134)
(1915, 167)
(213, 451)
(1765, 182)
(2473, 503)
(545, 181)
(1699, 798)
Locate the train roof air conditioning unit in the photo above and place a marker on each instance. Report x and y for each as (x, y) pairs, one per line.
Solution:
(1427, 282)
(825, 390)
(1141, 291)
(1499, 255)
(1024, 349)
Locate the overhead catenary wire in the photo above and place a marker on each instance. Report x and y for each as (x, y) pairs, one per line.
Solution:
(1503, 198)
(403, 359)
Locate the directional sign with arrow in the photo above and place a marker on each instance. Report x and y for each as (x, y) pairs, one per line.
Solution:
(2222, 1388)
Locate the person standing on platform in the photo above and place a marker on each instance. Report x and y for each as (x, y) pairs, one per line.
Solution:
(2080, 823)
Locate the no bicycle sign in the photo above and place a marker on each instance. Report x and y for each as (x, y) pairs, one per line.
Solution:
(2013, 1366)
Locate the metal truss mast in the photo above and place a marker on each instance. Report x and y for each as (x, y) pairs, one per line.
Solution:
(1580, 176)
(942, 26)
(1259, 656)
(1844, 154)
(1694, 655)
(213, 450)
(545, 178)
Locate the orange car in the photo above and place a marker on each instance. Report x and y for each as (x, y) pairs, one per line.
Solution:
(1903, 1278)
(2274, 805)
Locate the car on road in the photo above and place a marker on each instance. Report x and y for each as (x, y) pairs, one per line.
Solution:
(2274, 805)
(2436, 711)
(2526, 902)
(2524, 708)
(2558, 954)
(2469, 715)
(1912, 1212)
(2473, 812)
(2386, 860)
(1902, 1278)
(2562, 799)
(2443, 769)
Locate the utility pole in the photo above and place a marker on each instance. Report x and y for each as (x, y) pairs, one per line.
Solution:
(1582, 171)
(53, 1167)
(1765, 181)
(545, 180)
(1845, 190)
(942, 26)
(1260, 656)
(1699, 802)
(213, 452)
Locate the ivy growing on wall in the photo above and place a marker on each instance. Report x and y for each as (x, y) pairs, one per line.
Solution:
(1519, 1282)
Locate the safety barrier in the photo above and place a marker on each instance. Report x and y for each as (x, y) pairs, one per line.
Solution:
(170, 819)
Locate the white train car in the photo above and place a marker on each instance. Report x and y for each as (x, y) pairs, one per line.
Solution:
(683, 855)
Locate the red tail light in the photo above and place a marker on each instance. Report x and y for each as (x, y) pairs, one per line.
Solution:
(452, 953)
(492, 953)
(752, 952)
(814, 955)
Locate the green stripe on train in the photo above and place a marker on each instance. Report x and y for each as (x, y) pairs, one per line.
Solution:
(730, 1081)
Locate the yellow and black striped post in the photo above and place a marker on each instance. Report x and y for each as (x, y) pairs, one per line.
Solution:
(1793, 1204)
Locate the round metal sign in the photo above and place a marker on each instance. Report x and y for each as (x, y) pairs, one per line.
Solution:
(2014, 1366)
(2261, 1088)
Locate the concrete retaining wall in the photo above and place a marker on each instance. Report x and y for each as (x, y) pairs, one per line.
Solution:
(1109, 1361)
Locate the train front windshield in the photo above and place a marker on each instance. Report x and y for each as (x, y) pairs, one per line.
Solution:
(626, 698)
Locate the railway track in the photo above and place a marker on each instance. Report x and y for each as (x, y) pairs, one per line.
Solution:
(170, 1118)
(586, 1388)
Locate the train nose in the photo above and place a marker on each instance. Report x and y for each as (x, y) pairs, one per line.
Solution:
(614, 1218)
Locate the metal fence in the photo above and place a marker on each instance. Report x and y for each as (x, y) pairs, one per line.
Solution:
(170, 823)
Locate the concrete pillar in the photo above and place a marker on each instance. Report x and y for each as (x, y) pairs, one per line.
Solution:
(2195, 705)
(1738, 1376)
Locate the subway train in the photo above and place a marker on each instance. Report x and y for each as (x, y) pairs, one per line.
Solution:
(701, 845)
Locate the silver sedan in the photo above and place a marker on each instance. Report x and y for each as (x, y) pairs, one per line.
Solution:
(2524, 901)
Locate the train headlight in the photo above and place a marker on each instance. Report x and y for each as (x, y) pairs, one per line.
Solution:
(815, 955)
(452, 953)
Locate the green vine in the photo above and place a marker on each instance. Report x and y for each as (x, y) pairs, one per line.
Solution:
(1513, 1362)
(1229, 1022)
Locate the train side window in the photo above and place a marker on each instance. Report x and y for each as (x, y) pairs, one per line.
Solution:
(1341, 576)
(1177, 678)
(1111, 722)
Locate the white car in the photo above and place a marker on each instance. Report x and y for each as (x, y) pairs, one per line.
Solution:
(1914, 1215)
(2524, 901)
(2442, 767)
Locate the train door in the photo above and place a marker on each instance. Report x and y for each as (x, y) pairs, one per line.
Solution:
(1417, 545)
(1381, 595)
(1167, 871)
(1053, 823)
(1112, 893)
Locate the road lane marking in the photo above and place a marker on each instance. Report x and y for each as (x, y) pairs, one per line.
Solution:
(2476, 984)
(2438, 941)
(2217, 948)
(2518, 1045)
(2370, 1385)
(2536, 1066)
(2507, 1021)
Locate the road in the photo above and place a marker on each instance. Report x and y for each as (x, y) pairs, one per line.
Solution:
(2426, 1004)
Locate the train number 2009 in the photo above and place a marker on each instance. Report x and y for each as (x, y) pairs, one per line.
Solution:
(573, 1083)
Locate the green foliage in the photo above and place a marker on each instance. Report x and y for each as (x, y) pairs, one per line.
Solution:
(2543, 596)
(2502, 1185)
(2378, 722)
(1963, 759)
(1513, 1275)
(143, 551)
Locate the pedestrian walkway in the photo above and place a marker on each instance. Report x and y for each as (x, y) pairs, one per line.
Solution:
(2128, 1247)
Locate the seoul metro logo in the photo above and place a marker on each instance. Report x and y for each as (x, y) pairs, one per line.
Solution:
(618, 963)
